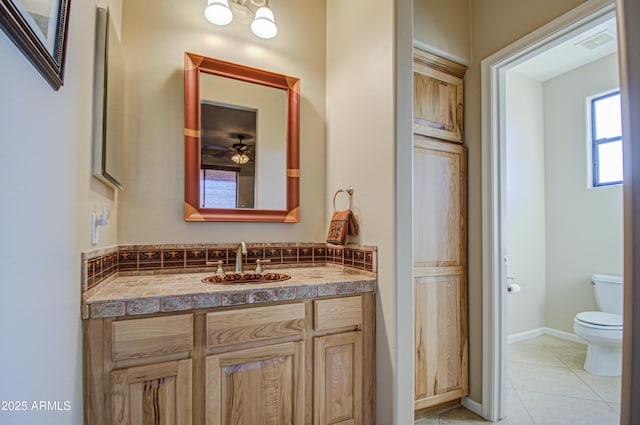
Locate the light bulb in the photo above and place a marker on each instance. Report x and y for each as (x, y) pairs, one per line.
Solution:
(217, 12)
(240, 158)
(264, 24)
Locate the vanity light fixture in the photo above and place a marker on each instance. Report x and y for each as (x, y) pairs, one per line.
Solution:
(222, 12)
(218, 12)
(264, 25)
(240, 158)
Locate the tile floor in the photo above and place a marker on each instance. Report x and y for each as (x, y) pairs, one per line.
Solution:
(547, 385)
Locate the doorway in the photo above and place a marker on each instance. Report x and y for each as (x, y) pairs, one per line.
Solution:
(495, 272)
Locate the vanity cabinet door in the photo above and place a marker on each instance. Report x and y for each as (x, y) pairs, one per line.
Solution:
(338, 384)
(256, 386)
(153, 394)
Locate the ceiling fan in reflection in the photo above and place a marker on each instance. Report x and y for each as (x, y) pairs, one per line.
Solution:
(238, 152)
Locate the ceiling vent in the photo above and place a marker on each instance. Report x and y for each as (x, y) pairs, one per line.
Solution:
(597, 40)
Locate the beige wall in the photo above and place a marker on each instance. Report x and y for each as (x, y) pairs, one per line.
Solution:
(155, 36)
(47, 198)
(584, 225)
(525, 219)
(443, 28)
(360, 151)
(494, 25)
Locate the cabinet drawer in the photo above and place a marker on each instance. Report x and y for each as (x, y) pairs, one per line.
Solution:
(337, 313)
(155, 336)
(254, 324)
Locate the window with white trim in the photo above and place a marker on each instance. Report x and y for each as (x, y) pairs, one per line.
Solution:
(606, 140)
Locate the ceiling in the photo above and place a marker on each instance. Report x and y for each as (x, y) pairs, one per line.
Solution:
(222, 126)
(588, 46)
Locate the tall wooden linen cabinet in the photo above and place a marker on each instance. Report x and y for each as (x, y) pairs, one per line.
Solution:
(440, 236)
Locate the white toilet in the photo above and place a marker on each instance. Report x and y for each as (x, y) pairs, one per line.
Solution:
(603, 329)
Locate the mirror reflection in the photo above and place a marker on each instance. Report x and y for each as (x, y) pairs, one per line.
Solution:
(242, 144)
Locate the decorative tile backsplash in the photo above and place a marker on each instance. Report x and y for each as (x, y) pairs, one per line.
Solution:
(100, 268)
(104, 263)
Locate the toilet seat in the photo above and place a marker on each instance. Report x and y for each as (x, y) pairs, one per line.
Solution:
(599, 320)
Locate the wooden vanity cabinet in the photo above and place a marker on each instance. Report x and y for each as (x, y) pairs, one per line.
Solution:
(298, 363)
(338, 362)
(261, 385)
(153, 394)
(138, 371)
(338, 385)
(440, 238)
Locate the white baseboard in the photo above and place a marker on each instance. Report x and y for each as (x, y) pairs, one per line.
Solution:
(565, 335)
(474, 406)
(523, 336)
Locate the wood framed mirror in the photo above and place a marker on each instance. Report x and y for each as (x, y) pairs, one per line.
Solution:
(242, 143)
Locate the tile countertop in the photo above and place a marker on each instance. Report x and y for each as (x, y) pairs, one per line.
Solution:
(135, 295)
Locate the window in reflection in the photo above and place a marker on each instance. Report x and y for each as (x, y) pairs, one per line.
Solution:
(219, 188)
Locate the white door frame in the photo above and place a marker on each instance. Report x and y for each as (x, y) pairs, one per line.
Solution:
(494, 293)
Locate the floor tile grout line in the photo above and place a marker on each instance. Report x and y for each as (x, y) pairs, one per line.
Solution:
(590, 387)
(598, 400)
(611, 407)
(556, 356)
(561, 361)
(567, 364)
(526, 409)
(538, 364)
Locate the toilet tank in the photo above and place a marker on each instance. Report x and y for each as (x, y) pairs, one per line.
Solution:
(609, 292)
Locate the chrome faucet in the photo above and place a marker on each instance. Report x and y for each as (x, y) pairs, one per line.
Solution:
(242, 249)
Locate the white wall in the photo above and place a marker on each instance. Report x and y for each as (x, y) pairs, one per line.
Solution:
(525, 197)
(155, 36)
(584, 225)
(47, 196)
(361, 152)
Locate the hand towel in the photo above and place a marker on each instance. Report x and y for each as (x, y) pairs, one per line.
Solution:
(343, 223)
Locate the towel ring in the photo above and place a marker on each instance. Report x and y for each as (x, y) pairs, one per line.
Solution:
(349, 193)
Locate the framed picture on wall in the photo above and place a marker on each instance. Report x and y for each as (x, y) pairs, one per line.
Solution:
(39, 29)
